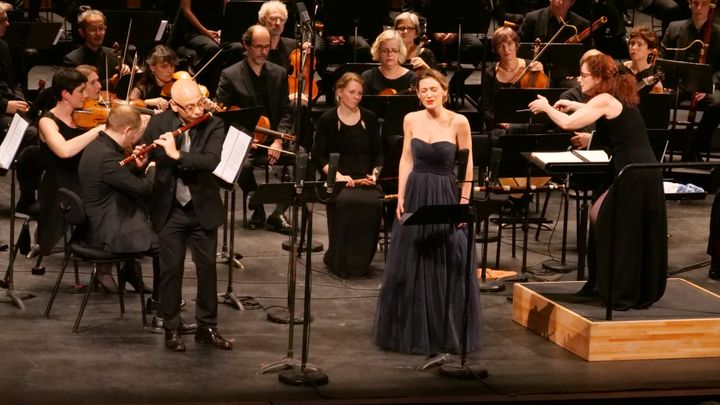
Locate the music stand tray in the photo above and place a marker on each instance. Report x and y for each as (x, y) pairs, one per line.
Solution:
(37, 35)
(511, 104)
(689, 76)
(244, 118)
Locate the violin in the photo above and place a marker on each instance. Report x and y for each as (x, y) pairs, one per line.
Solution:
(262, 131)
(180, 74)
(532, 79)
(92, 114)
(302, 65)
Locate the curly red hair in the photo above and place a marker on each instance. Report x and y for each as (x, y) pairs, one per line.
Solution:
(621, 86)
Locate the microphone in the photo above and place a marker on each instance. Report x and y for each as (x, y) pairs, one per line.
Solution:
(303, 13)
(301, 163)
(333, 162)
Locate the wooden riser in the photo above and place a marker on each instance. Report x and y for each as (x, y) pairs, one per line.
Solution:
(636, 339)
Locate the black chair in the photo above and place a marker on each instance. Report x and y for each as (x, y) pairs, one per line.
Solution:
(72, 210)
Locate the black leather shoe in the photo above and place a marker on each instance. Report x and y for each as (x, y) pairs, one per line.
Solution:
(173, 340)
(257, 220)
(130, 276)
(210, 336)
(3, 247)
(278, 223)
(151, 306)
(714, 273)
(157, 325)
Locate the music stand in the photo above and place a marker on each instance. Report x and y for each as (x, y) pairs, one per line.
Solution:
(242, 119)
(239, 15)
(511, 105)
(304, 195)
(452, 215)
(354, 18)
(684, 77)
(559, 60)
(8, 150)
(147, 26)
(37, 35)
(655, 110)
(391, 110)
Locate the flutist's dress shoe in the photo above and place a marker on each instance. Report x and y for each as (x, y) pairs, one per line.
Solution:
(257, 220)
(278, 223)
(173, 340)
(210, 336)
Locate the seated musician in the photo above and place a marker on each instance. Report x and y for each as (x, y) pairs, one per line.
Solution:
(545, 22)
(643, 48)
(354, 214)
(680, 34)
(158, 73)
(502, 73)
(91, 28)
(205, 19)
(390, 77)
(420, 56)
(253, 82)
(665, 10)
(63, 143)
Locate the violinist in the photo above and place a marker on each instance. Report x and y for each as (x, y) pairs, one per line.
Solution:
(680, 34)
(273, 15)
(159, 69)
(389, 49)
(419, 55)
(643, 48)
(505, 42)
(91, 28)
(255, 81)
(63, 143)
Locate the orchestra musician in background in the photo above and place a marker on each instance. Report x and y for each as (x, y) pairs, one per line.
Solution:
(158, 72)
(643, 48)
(681, 34)
(389, 49)
(419, 55)
(353, 215)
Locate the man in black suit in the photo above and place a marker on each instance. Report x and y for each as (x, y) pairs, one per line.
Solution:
(256, 82)
(91, 27)
(680, 34)
(545, 22)
(186, 207)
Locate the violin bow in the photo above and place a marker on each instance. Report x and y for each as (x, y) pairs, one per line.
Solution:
(132, 76)
(124, 54)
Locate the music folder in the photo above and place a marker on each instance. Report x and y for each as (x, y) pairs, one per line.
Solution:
(570, 158)
(12, 141)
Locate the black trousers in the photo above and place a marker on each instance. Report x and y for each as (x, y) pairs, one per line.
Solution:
(183, 229)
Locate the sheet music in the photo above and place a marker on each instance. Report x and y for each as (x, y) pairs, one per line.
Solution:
(161, 30)
(12, 140)
(592, 155)
(571, 156)
(59, 35)
(235, 147)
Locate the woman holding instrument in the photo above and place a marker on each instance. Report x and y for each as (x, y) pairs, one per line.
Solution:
(354, 214)
(63, 143)
(419, 55)
(390, 77)
(505, 42)
(158, 73)
(643, 49)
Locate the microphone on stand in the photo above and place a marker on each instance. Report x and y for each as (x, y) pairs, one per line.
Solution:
(333, 162)
(303, 13)
(302, 162)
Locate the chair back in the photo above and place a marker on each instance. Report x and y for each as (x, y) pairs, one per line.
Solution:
(71, 207)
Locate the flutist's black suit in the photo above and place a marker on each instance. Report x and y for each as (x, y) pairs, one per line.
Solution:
(112, 195)
(196, 223)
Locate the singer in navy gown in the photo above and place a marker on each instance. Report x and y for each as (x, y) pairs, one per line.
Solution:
(628, 217)
(422, 299)
(353, 215)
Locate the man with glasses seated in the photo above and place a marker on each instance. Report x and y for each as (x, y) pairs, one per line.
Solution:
(91, 28)
(390, 77)
(253, 82)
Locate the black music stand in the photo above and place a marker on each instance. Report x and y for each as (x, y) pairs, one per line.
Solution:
(146, 27)
(38, 35)
(303, 195)
(391, 110)
(684, 77)
(511, 105)
(513, 164)
(242, 119)
(354, 18)
(655, 110)
(452, 215)
(8, 147)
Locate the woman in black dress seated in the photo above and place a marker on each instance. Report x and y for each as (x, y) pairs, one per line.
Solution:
(505, 42)
(353, 216)
(159, 71)
(643, 48)
(628, 219)
(390, 77)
